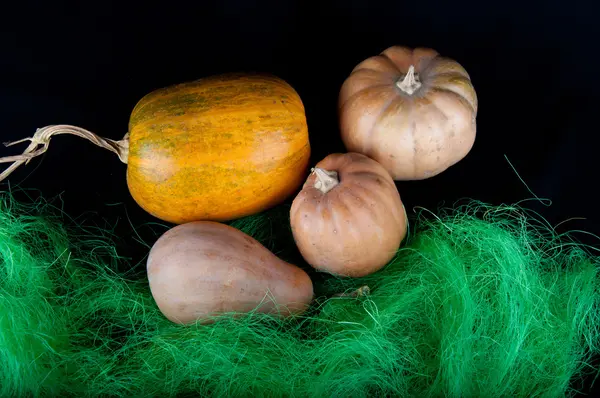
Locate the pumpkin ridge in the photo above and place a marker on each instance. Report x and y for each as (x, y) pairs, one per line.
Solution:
(438, 109)
(462, 99)
(369, 61)
(334, 214)
(447, 65)
(388, 60)
(471, 96)
(426, 65)
(343, 193)
(362, 90)
(374, 195)
(353, 196)
(413, 134)
(369, 69)
(377, 73)
(372, 177)
(435, 74)
(371, 132)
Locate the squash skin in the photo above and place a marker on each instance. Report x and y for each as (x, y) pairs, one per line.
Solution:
(203, 269)
(217, 148)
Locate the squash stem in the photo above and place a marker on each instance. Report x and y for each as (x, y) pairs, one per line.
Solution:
(326, 180)
(42, 138)
(410, 83)
(362, 291)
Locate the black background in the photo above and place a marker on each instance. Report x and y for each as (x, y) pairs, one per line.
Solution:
(533, 63)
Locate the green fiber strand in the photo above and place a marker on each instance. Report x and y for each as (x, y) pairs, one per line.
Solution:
(479, 301)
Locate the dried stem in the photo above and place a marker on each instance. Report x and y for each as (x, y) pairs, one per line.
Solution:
(410, 83)
(326, 180)
(362, 291)
(42, 138)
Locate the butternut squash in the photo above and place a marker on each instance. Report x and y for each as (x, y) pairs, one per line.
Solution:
(200, 270)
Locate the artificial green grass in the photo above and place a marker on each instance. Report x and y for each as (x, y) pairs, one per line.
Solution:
(480, 301)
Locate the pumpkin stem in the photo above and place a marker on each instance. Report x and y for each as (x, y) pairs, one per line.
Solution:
(326, 180)
(410, 83)
(42, 137)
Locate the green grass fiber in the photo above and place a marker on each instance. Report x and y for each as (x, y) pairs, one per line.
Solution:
(480, 301)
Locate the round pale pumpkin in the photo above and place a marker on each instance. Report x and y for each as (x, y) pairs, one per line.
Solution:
(348, 219)
(217, 148)
(203, 269)
(412, 110)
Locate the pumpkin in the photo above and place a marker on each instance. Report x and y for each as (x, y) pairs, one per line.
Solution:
(218, 148)
(412, 110)
(202, 269)
(348, 219)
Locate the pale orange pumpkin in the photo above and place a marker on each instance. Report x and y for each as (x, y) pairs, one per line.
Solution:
(204, 269)
(348, 219)
(412, 110)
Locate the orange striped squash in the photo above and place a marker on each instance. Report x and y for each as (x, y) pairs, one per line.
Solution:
(217, 148)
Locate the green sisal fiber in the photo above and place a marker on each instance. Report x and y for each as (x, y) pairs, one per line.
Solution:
(480, 301)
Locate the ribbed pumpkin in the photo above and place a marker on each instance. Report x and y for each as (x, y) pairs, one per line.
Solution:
(216, 149)
(348, 219)
(412, 110)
